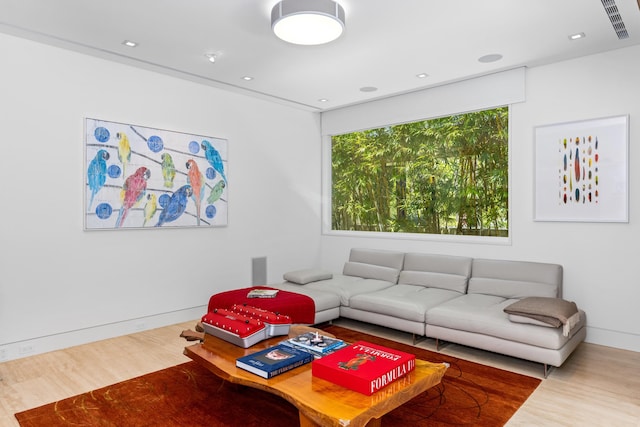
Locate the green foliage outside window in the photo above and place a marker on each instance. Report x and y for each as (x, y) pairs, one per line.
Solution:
(440, 176)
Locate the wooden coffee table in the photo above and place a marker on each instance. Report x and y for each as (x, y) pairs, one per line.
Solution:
(319, 402)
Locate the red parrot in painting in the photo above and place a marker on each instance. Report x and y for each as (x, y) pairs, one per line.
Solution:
(133, 190)
(196, 180)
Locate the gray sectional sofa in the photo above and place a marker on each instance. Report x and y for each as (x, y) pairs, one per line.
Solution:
(450, 298)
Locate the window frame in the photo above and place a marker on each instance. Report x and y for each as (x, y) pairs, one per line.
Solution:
(450, 238)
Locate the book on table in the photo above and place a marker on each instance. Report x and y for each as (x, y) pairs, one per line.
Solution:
(316, 343)
(274, 360)
(364, 367)
(262, 293)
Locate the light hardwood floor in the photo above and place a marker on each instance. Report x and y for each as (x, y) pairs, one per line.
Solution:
(597, 386)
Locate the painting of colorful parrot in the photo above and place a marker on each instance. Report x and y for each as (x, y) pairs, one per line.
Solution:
(176, 206)
(133, 191)
(196, 180)
(168, 170)
(213, 157)
(97, 173)
(124, 151)
(143, 177)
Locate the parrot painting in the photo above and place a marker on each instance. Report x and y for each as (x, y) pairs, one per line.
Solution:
(168, 170)
(97, 173)
(133, 190)
(176, 206)
(124, 151)
(216, 192)
(214, 158)
(196, 180)
(150, 208)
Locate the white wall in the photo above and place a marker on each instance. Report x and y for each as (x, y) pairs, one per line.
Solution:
(599, 259)
(60, 285)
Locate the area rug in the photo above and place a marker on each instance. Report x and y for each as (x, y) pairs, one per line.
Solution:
(470, 394)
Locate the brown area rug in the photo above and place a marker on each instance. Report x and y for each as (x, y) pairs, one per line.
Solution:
(470, 394)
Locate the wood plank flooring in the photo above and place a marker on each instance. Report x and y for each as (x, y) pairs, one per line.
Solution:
(597, 385)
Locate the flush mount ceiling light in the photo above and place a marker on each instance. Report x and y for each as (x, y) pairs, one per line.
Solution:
(307, 22)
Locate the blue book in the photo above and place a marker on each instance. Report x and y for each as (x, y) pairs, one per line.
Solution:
(274, 360)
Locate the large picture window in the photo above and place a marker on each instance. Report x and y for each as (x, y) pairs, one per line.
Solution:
(441, 176)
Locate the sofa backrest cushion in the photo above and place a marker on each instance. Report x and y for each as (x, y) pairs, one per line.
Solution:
(374, 264)
(515, 279)
(370, 271)
(436, 271)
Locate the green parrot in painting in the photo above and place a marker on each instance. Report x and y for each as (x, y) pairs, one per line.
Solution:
(168, 170)
(216, 192)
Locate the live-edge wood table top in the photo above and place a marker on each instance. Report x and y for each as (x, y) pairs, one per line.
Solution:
(319, 402)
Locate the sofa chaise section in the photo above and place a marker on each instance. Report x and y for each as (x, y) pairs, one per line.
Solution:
(367, 270)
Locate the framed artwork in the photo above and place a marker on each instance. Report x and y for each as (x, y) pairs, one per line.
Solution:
(582, 171)
(141, 177)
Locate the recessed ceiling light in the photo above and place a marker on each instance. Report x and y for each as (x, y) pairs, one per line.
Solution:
(493, 57)
(323, 100)
(368, 89)
(577, 36)
(247, 78)
(211, 57)
(129, 43)
(422, 75)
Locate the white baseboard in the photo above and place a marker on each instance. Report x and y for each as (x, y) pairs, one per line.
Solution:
(59, 341)
(616, 339)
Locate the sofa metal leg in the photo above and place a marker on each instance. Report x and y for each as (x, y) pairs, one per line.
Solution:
(418, 338)
(547, 370)
(437, 344)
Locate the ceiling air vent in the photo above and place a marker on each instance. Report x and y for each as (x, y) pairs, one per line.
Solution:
(615, 18)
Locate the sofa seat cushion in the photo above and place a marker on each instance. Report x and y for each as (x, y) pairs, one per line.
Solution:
(484, 314)
(323, 300)
(348, 286)
(403, 301)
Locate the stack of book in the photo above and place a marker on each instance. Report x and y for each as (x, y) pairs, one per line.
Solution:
(274, 360)
(316, 344)
(364, 367)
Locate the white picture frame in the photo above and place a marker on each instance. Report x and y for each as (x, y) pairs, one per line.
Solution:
(143, 177)
(582, 171)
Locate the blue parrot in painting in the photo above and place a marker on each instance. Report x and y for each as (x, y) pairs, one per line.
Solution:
(214, 158)
(176, 206)
(196, 180)
(133, 190)
(168, 170)
(216, 192)
(97, 173)
(124, 151)
(150, 208)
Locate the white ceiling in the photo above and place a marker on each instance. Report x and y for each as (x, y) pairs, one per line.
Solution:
(386, 43)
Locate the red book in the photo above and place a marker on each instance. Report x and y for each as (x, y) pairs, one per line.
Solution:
(364, 367)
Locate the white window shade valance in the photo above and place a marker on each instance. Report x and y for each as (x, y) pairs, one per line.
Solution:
(474, 94)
